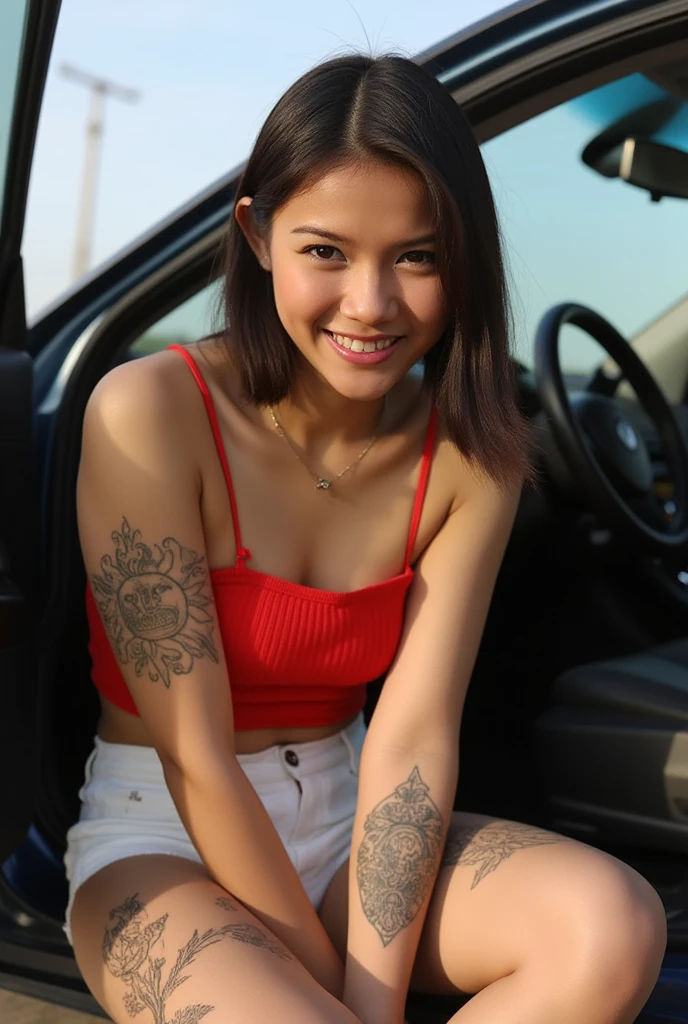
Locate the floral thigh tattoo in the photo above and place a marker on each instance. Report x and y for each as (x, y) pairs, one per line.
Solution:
(127, 953)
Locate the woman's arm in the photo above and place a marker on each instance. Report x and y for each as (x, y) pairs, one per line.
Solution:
(138, 508)
(409, 764)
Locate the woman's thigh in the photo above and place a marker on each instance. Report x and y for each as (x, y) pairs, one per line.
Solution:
(155, 932)
(508, 894)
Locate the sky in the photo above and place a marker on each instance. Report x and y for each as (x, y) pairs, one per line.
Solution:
(569, 234)
(208, 72)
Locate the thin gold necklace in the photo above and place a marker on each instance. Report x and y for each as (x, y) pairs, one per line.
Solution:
(321, 482)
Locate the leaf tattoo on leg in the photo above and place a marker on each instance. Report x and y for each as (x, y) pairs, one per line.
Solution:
(485, 845)
(252, 935)
(226, 903)
(127, 947)
(398, 855)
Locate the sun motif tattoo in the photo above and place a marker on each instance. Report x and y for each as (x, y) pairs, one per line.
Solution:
(152, 602)
(398, 857)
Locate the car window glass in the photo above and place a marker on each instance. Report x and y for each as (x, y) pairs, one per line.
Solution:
(12, 14)
(573, 235)
(193, 319)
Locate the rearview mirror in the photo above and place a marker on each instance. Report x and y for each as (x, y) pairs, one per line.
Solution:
(661, 170)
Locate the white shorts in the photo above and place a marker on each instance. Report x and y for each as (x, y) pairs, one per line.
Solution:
(308, 789)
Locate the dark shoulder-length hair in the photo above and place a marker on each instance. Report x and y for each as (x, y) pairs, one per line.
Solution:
(388, 108)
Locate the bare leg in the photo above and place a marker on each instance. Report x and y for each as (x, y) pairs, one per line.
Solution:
(155, 933)
(540, 929)
(537, 996)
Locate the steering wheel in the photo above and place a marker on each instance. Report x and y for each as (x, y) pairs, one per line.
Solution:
(602, 450)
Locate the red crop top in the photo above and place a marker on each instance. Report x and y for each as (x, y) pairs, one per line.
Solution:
(296, 656)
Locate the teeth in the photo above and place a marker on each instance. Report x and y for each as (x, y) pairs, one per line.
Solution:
(362, 346)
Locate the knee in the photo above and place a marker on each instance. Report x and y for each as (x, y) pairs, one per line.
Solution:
(618, 925)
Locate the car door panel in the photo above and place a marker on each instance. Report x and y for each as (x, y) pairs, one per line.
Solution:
(18, 495)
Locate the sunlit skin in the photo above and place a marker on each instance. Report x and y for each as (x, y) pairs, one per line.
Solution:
(364, 267)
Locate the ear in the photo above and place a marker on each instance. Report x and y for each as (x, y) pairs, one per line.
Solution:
(244, 218)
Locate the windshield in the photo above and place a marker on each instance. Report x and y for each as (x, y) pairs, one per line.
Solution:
(572, 234)
(12, 15)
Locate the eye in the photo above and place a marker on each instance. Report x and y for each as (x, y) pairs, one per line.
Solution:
(322, 253)
(420, 257)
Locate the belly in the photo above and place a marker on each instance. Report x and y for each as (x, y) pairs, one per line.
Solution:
(117, 726)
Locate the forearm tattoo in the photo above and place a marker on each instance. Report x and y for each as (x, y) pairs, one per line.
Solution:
(127, 944)
(398, 857)
(152, 602)
(486, 845)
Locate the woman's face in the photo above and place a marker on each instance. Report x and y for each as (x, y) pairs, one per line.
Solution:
(355, 281)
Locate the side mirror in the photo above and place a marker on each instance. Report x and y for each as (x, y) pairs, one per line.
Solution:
(661, 170)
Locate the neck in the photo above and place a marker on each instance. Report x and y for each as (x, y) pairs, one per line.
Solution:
(315, 411)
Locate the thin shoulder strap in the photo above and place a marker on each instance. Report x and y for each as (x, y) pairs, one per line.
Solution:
(242, 552)
(422, 483)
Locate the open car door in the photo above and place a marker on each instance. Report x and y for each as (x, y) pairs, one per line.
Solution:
(27, 28)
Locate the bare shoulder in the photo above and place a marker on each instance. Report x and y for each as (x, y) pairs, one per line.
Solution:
(150, 402)
(155, 376)
(468, 484)
(462, 500)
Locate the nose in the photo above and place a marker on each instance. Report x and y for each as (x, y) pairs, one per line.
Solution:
(370, 296)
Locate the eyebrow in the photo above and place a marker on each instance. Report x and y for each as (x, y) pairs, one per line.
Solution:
(309, 229)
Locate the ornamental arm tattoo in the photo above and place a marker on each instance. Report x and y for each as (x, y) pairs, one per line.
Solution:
(398, 856)
(153, 601)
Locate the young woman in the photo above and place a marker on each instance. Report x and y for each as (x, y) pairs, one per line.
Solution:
(272, 518)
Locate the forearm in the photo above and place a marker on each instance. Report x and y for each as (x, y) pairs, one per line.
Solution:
(243, 852)
(404, 805)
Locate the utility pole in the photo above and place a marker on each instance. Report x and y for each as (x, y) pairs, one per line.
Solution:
(99, 88)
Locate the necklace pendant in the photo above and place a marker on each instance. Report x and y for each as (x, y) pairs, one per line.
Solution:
(322, 485)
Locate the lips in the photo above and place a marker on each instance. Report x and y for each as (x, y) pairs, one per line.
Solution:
(355, 350)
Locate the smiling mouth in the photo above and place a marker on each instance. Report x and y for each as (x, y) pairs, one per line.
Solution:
(356, 345)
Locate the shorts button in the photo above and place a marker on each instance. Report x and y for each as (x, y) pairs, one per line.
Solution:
(291, 758)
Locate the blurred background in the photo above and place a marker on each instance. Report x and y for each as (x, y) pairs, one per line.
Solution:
(147, 105)
(179, 91)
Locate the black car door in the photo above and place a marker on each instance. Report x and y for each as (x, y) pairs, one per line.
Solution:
(27, 29)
